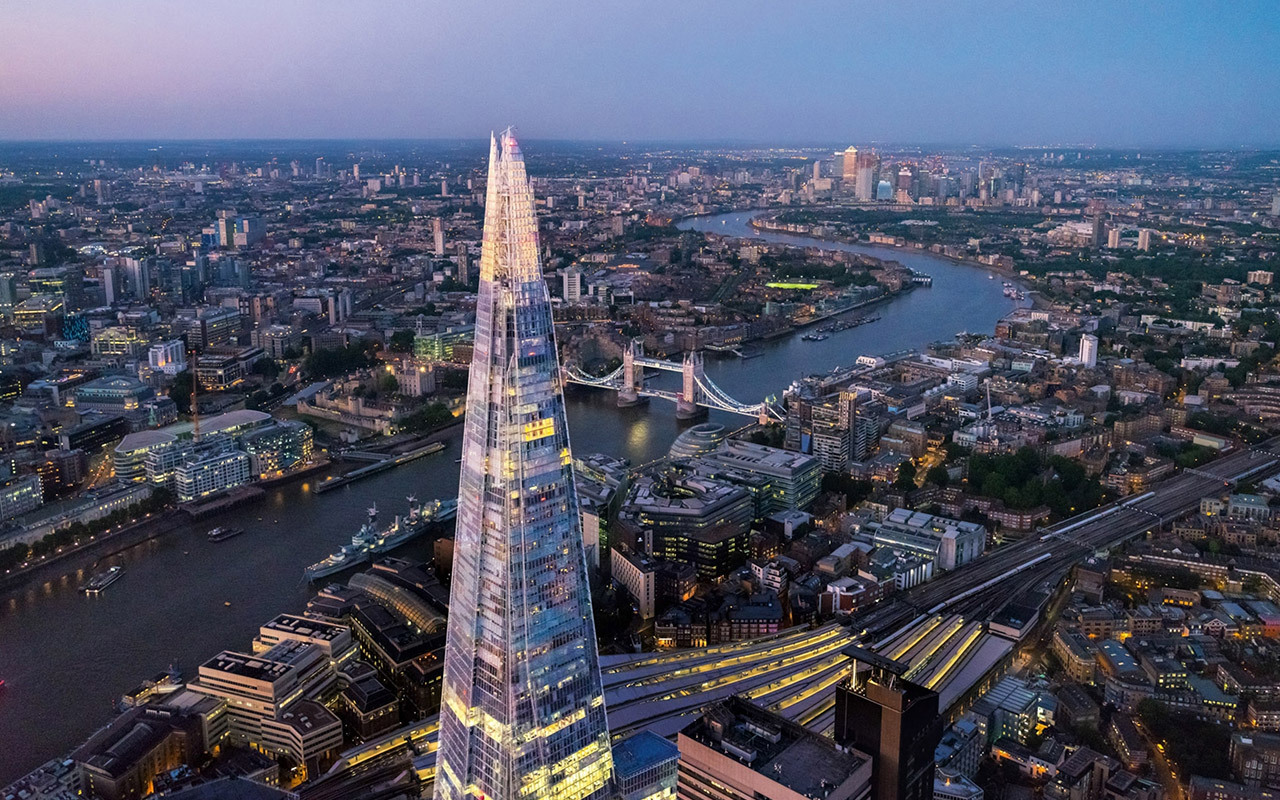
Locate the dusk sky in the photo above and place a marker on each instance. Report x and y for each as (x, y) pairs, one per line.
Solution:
(1110, 73)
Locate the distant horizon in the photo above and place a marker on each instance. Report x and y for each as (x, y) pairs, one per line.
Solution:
(728, 142)
(1178, 74)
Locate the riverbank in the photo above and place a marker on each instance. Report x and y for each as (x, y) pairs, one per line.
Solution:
(81, 558)
(756, 223)
(75, 560)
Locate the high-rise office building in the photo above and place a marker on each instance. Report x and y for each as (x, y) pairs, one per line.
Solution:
(849, 166)
(437, 234)
(226, 227)
(139, 271)
(522, 713)
(109, 278)
(248, 232)
(864, 182)
(905, 178)
(894, 720)
(463, 273)
(1089, 350)
(571, 285)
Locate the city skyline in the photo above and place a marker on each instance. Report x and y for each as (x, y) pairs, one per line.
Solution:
(843, 401)
(994, 74)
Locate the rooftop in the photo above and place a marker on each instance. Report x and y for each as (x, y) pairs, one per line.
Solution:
(771, 745)
(305, 716)
(270, 665)
(221, 422)
(232, 789)
(144, 440)
(760, 458)
(305, 626)
(640, 752)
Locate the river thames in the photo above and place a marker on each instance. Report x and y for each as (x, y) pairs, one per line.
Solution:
(66, 656)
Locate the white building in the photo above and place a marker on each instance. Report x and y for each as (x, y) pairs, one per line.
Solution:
(772, 575)
(200, 476)
(966, 381)
(266, 703)
(949, 543)
(168, 357)
(571, 284)
(437, 233)
(304, 733)
(1089, 350)
(638, 575)
(335, 640)
(20, 495)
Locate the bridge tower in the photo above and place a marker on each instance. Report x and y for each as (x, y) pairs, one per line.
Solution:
(632, 382)
(687, 403)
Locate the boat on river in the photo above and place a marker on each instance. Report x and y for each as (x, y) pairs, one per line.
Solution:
(98, 583)
(349, 555)
(223, 533)
(419, 519)
(370, 540)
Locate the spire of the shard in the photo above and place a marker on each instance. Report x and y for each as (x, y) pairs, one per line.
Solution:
(522, 713)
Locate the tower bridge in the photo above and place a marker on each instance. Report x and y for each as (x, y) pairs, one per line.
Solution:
(697, 390)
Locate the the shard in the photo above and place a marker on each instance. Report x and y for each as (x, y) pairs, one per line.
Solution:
(522, 713)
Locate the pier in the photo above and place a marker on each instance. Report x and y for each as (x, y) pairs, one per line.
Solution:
(381, 465)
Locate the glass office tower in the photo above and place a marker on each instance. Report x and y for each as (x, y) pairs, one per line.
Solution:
(522, 714)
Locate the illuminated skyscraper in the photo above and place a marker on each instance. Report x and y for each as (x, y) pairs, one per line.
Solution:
(522, 713)
(849, 166)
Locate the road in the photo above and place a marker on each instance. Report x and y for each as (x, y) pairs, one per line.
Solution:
(1003, 572)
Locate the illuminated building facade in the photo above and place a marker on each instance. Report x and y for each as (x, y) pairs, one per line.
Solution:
(201, 475)
(522, 712)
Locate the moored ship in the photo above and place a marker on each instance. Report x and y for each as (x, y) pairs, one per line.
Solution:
(419, 519)
(357, 552)
(369, 541)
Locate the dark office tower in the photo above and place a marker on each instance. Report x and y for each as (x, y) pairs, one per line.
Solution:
(896, 721)
(464, 264)
(73, 288)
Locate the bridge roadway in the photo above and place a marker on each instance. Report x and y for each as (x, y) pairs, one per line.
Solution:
(795, 671)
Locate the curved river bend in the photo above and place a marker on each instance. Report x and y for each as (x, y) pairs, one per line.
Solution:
(65, 656)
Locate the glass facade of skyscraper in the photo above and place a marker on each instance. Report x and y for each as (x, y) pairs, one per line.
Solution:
(522, 713)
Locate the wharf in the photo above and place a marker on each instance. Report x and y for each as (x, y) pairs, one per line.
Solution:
(379, 466)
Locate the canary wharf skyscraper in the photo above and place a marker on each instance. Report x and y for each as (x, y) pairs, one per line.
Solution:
(522, 713)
